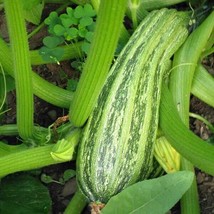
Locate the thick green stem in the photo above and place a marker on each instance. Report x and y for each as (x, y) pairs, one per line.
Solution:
(33, 158)
(21, 66)
(191, 196)
(155, 4)
(77, 204)
(202, 85)
(3, 91)
(193, 148)
(180, 86)
(106, 35)
(185, 63)
(124, 34)
(8, 130)
(42, 88)
(6, 149)
(26, 160)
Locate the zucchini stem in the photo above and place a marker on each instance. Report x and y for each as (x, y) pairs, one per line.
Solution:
(180, 86)
(41, 88)
(106, 35)
(33, 158)
(77, 204)
(21, 67)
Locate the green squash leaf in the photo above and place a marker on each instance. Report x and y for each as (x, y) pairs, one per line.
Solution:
(23, 194)
(30, 4)
(33, 10)
(151, 196)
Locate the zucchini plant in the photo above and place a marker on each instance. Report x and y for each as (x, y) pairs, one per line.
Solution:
(122, 105)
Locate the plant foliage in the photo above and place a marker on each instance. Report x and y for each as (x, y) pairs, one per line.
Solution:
(72, 26)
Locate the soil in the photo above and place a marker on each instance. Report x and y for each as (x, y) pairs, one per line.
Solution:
(46, 114)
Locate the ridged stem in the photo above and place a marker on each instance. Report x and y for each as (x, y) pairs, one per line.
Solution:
(77, 204)
(155, 4)
(180, 86)
(8, 130)
(26, 160)
(98, 62)
(184, 65)
(42, 88)
(202, 85)
(190, 146)
(124, 34)
(3, 92)
(33, 158)
(6, 149)
(21, 66)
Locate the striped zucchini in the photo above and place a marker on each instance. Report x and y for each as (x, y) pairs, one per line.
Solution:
(116, 149)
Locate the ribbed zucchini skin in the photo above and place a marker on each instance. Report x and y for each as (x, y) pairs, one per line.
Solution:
(116, 149)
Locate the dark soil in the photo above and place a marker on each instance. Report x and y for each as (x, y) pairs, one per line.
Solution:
(46, 114)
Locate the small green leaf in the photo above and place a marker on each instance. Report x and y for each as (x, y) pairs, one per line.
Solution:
(85, 21)
(23, 194)
(70, 11)
(72, 33)
(59, 30)
(89, 11)
(85, 47)
(91, 27)
(89, 36)
(33, 13)
(77, 65)
(10, 83)
(51, 54)
(78, 12)
(68, 21)
(52, 41)
(151, 196)
(68, 174)
(82, 32)
(52, 20)
(30, 4)
(56, 54)
(72, 85)
(46, 179)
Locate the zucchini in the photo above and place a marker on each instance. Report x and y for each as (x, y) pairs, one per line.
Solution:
(116, 148)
